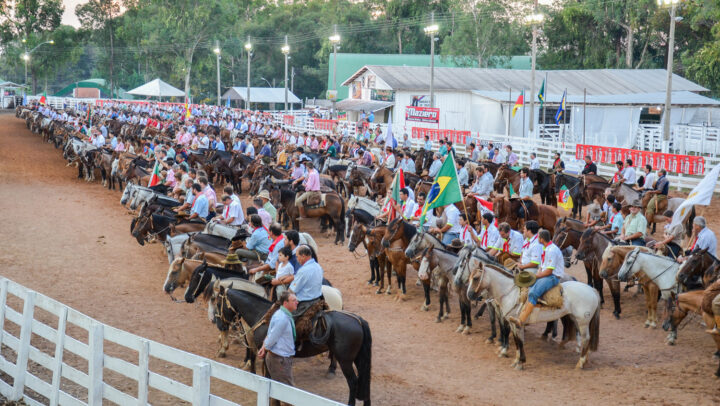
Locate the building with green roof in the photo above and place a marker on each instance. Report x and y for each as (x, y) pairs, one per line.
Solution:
(100, 84)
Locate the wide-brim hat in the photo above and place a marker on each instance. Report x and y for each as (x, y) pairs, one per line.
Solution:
(524, 279)
(456, 243)
(636, 203)
(264, 194)
(231, 259)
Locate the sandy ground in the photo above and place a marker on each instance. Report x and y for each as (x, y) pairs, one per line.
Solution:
(70, 240)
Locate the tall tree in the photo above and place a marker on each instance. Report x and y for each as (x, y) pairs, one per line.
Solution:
(98, 17)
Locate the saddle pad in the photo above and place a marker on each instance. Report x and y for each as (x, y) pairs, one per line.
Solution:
(553, 298)
(314, 202)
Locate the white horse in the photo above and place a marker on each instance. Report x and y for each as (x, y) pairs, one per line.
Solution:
(173, 245)
(661, 270)
(140, 196)
(223, 230)
(581, 304)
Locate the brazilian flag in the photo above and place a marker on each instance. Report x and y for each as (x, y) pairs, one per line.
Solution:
(445, 189)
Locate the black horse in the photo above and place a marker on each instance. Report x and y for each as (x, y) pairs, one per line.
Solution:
(347, 337)
(203, 275)
(575, 187)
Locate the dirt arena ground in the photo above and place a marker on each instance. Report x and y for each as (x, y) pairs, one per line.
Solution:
(70, 240)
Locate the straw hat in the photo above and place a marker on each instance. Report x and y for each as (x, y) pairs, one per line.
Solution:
(231, 259)
(524, 279)
(264, 194)
(636, 203)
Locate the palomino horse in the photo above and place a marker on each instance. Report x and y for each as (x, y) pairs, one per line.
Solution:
(611, 259)
(382, 179)
(347, 338)
(179, 273)
(379, 265)
(396, 239)
(581, 304)
(661, 271)
(689, 302)
(507, 211)
(439, 264)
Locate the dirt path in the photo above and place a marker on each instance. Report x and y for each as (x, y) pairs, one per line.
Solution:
(70, 240)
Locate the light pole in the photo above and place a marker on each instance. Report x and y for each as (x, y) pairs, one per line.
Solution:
(671, 46)
(217, 54)
(248, 49)
(335, 40)
(26, 56)
(431, 30)
(534, 19)
(286, 50)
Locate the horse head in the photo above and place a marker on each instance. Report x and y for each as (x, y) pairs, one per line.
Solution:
(424, 270)
(357, 235)
(460, 270)
(476, 282)
(626, 269)
(392, 232)
(195, 287)
(142, 228)
(692, 267)
(174, 274)
(585, 244)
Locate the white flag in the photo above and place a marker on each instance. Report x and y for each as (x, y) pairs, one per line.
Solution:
(700, 195)
(389, 138)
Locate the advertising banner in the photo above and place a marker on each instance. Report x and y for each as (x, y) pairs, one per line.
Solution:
(422, 114)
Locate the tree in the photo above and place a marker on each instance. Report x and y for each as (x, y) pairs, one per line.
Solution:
(98, 17)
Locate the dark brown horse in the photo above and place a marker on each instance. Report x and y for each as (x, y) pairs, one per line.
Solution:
(591, 246)
(396, 239)
(507, 211)
(541, 183)
(371, 238)
(334, 209)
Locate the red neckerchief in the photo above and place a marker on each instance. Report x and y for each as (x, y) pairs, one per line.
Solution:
(418, 212)
(484, 239)
(694, 242)
(465, 230)
(506, 245)
(194, 201)
(542, 258)
(557, 161)
(528, 242)
(277, 240)
(612, 218)
(227, 211)
(587, 166)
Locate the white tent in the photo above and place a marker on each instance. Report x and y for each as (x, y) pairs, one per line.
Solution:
(157, 88)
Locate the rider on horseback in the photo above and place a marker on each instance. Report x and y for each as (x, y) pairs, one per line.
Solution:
(312, 186)
(307, 284)
(525, 193)
(552, 268)
(662, 187)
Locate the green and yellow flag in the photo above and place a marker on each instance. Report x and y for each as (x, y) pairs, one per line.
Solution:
(445, 188)
(564, 199)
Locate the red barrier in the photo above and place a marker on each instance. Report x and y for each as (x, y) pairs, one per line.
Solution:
(288, 120)
(457, 137)
(321, 124)
(686, 164)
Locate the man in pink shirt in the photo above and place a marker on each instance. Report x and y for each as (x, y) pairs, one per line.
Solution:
(312, 186)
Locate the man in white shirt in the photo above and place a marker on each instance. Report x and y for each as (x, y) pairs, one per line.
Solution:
(232, 212)
(406, 206)
(406, 163)
(204, 141)
(435, 166)
(531, 249)
(489, 235)
(512, 241)
(650, 178)
(389, 161)
(451, 229)
(629, 175)
(534, 161)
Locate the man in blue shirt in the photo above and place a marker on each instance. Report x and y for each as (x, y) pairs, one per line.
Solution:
(279, 344)
(200, 204)
(257, 246)
(307, 284)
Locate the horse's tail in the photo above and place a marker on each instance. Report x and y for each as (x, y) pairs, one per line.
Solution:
(595, 330)
(341, 218)
(363, 362)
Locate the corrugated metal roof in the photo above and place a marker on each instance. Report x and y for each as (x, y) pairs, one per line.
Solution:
(595, 81)
(679, 98)
(362, 105)
(261, 94)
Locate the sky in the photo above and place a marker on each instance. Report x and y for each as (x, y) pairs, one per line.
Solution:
(69, 17)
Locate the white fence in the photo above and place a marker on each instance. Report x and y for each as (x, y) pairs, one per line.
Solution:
(44, 375)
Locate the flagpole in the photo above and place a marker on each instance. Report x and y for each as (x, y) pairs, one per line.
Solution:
(467, 216)
(584, 111)
(545, 96)
(564, 119)
(509, 108)
(522, 92)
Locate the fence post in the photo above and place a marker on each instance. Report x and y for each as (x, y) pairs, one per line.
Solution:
(143, 372)
(95, 364)
(24, 347)
(263, 392)
(201, 384)
(59, 347)
(3, 299)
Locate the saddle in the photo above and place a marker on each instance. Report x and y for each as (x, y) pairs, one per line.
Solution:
(315, 201)
(306, 321)
(552, 299)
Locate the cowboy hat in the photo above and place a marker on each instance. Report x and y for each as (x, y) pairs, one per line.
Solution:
(523, 279)
(456, 244)
(636, 203)
(231, 259)
(264, 194)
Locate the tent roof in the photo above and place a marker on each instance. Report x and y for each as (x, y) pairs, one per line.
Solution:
(157, 88)
(594, 81)
(679, 98)
(362, 105)
(8, 84)
(261, 94)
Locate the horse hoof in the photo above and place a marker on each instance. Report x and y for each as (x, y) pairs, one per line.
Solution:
(379, 292)
(466, 330)
(503, 353)
(424, 307)
(519, 367)
(617, 315)
(376, 283)
(369, 282)
(460, 329)
(647, 324)
(653, 325)
(438, 320)
(221, 354)
(445, 316)
(489, 341)
(330, 375)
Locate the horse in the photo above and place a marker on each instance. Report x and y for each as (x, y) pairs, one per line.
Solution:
(159, 226)
(612, 258)
(506, 211)
(692, 271)
(347, 337)
(575, 188)
(173, 245)
(438, 263)
(382, 179)
(179, 274)
(688, 302)
(541, 183)
(581, 306)
(379, 265)
(395, 240)
(662, 272)
(334, 209)
(590, 249)
(567, 234)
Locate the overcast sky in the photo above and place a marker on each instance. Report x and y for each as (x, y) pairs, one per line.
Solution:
(69, 17)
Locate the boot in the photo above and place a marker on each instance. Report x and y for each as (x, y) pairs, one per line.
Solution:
(715, 330)
(524, 314)
(301, 211)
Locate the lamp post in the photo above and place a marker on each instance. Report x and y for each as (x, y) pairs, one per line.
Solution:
(286, 50)
(248, 49)
(431, 30)
(534, 19)
(335, 40)
(26, 56)
(671, 45)
(217, 54)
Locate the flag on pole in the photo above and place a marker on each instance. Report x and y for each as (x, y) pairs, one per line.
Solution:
(398, 185)
(700, 195)
(227, 104)
(24, 102)
(445, 188)
(564, 199)
(43, 98)
(389, 137)
(155, 178)
(561, 109)
(519, 102)
(187, 110)
(541, 94)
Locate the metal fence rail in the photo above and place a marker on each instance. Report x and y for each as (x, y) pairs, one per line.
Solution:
(98, 360)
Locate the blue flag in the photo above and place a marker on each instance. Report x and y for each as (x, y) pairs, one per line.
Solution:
(227, 104)
(24, 102)
(561, 109)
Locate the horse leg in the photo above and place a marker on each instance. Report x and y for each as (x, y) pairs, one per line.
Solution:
(333, 366)
(224, 344)
(549, 329)
(588, 271)
(504, 337)
(352, 380)
(462, 317)
(441, 300)
(426, 291)
(615, 291)
(373, 270)
(519, 361)
(493, 331)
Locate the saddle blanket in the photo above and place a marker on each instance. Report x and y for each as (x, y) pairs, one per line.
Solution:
(314, 202)
(553, 298)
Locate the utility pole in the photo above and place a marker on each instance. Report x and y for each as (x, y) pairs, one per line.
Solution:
(248, 48)
(671, 49)
(431, 30)
(534, 19)
(286, 51)
(217, 54)
(334, 40)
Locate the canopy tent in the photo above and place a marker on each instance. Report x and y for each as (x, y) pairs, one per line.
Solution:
(261, 95)
(362, 105)
(157, 88)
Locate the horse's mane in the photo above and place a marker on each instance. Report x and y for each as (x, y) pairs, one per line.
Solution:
(408, 229)
(238, 292)
(590, 231)
(501, 269)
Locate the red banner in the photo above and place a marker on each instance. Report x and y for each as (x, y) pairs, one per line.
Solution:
(686, 164)
(422, 114)
(288, 120)
(321, 124)
(457, 137)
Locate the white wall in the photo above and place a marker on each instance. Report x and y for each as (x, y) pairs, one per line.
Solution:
(455, 109)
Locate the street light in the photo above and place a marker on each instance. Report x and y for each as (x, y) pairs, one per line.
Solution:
(248, 49)
(216, 50)
(335, 40)
(431, 30)
(26, 56)
(286, 50)
(671, 45)
(533, 19)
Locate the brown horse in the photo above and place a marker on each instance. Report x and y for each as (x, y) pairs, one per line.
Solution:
(334, 208)
(612, 259)
(541, 183)
(506, 211)
(396, 239)
(381, 180)
(371, 239)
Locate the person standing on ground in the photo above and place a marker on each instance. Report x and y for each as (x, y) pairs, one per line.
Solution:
(279, 344)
